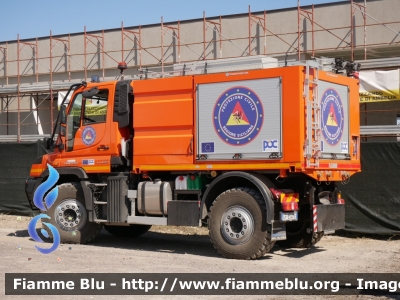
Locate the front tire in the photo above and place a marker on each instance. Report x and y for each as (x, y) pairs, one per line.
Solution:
(237, 225)
(69, 215)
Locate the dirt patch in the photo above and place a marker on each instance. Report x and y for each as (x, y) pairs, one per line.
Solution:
(188, 250)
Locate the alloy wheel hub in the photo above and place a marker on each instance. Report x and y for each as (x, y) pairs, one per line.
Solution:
(70, 215)
(237, 225)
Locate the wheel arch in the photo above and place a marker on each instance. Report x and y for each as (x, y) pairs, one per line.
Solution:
(235, 179)
(73, 175)
(70, 217)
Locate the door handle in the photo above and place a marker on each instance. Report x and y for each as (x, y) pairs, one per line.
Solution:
(102, 148)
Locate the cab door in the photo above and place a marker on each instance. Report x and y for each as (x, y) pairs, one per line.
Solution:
(87, 138)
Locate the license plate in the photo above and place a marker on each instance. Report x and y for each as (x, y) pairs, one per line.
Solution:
(289, 216)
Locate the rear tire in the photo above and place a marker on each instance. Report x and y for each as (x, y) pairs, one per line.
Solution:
(69, 215)
(237, 225)
(130, 231)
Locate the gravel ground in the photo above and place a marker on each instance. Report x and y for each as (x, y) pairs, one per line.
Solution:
(188, 250)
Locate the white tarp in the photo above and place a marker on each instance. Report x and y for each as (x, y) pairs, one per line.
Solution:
(379, 86)
(60, 98)
(93, 107)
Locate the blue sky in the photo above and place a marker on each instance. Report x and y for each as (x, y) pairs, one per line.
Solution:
(31, 19)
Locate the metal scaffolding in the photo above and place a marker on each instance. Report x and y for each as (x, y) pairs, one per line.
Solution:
(54, 41)
(136, 37)
(307, 15)
(363, 9)
(216, 27)
(98, 42)
(3, 51)
(175, 32)
(260, 21)
(133, 48)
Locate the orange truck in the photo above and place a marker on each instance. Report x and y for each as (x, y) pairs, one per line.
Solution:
(251, 149)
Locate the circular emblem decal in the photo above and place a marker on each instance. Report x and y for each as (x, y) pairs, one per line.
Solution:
(88, 135)
(238, 116)
(332, 116)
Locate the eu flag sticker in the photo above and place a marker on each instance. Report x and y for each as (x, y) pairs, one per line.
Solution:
(207, 147)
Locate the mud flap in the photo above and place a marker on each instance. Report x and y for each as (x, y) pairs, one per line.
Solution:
(278, 232)
(328, 218)
(184, 213)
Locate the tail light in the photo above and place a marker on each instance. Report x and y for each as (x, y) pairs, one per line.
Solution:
(289, 206)
(290, 201)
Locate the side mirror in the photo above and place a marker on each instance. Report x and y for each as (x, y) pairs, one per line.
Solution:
(63, 130)
(46, 143)
(63, 114)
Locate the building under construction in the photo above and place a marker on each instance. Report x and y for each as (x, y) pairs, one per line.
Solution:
(34, 72)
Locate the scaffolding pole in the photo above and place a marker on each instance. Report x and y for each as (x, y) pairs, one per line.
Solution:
(34, 59)
(260, 21)
(137, 38)
(34, 48)
(164, 30)
(91, 38)
(67, 50)
(217, 26)
(66, 44)
(306, 14)
(310, 16)
(363, 9)
(3, 50)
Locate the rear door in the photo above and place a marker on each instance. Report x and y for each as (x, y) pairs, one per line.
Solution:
(334, 100)
(240, 119)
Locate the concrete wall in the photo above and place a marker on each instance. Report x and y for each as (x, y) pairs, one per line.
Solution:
(235, 29)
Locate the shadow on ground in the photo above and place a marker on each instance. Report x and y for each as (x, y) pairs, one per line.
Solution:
(151, 241)
(192, 244)
(296, 252)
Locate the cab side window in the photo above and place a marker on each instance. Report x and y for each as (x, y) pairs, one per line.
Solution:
(95, 110)
(73, 121)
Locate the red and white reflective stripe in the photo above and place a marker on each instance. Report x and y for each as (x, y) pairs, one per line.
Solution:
(315, 220)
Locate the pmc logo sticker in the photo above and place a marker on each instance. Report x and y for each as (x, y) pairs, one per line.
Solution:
(332, 116)
(238, 116)
(44, 206)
